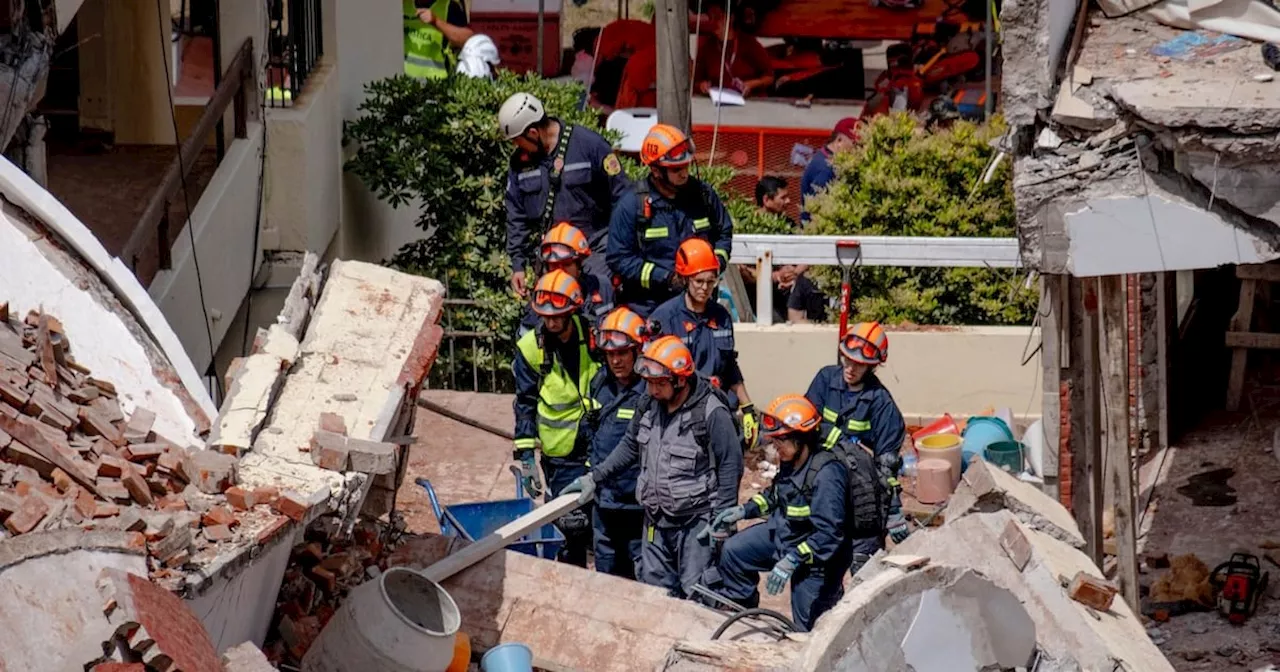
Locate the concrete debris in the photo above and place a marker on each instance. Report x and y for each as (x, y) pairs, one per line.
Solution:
(985, 489)
(246, 658)
(153, 626)
(1092, 592)
(1048, 139)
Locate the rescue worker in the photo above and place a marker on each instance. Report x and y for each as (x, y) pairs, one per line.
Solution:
(618, 393)
(559, 173)
(553, 370)
(690, 466)
(706, 327)
(565, 247)
(433, 31)
(666, 208)
(804, 541)
(857, 407)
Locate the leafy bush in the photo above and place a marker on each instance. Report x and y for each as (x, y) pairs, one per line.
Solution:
(904, 181)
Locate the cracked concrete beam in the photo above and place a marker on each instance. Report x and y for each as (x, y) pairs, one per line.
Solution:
(1245, 108)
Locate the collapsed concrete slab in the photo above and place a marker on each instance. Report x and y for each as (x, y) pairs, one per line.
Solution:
(571, 618)
(984, 489)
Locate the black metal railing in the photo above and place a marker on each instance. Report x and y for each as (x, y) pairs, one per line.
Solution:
(296, 43)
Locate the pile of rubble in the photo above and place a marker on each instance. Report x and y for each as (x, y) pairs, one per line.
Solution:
(70, 458)
(322, 570)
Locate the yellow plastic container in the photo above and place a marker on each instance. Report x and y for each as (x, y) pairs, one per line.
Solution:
(942, 447)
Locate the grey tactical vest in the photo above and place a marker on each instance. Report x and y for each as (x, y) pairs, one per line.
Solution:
(677, 467)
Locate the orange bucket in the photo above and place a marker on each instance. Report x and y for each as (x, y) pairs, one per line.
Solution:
(944, 425)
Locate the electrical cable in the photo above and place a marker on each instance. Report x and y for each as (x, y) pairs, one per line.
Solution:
(724, 52)
(747, 613)
(186, 197)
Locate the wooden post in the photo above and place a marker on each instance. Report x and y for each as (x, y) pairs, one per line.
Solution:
(1115, 388)
(671, 21)
(1086, 500)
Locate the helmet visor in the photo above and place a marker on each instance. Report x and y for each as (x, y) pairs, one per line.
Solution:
(860, 349)
(547, 299)
(771, 424)
(616, 340)
(555, 253)
(651, 368)
(679, 155)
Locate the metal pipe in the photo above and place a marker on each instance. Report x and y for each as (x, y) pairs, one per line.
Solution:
(485, 427)
(986, 101)
(542, 12)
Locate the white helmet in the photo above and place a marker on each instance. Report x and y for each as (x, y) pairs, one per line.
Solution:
(520, 112)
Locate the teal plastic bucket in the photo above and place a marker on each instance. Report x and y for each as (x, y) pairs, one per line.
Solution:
(1006, 455)
(981, 432)
(510, 657)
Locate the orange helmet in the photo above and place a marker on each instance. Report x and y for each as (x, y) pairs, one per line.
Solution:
(557, 293)
(666, 357)
(789, 413)
(621, 329)
(666, 146)
(564, 242)
(695, 256)
(865, 343)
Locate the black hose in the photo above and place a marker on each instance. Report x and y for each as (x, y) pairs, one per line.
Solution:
(753, 612)
(437, 408)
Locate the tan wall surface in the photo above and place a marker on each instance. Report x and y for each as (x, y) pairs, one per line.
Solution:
(961, 371)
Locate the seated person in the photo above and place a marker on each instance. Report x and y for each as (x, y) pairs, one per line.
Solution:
(796, 298)
(639, 85)
(748, 68)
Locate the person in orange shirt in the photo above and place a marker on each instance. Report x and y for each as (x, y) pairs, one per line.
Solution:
(639, 86)
(748, 69)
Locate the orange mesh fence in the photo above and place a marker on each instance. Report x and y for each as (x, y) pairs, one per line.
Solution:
(756, 152)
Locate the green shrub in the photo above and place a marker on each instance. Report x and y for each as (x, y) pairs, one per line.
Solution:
(904, 181)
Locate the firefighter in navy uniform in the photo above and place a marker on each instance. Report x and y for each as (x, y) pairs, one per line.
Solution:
(559, 173)
(804, 540)
(690, 459)
(566, 248)
(618, 393)
(667, 208)
(553, 369)
(706, 328)
(856, 407)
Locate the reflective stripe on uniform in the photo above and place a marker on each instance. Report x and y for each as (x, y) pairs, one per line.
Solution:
(832, 437)
(529, 174)
(651, 534)
(553, 423)
(805, 552)
(580, 165)
(829, 415)
(423, 62)
(724, 256)
(646, 272)
(626, 413)
(762, 503)
(655, 232)
(526, 444)
(562, 406)
(798, 512)
(701, 223)
(722, 333)
(859, 425)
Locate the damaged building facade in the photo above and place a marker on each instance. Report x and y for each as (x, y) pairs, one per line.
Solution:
(1145, 140)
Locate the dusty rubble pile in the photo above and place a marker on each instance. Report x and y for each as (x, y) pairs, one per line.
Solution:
(322, 571)
(70, 458)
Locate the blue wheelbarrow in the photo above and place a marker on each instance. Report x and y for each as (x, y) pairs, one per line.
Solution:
(476, 520)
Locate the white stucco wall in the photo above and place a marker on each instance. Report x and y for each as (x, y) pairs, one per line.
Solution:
(961, 371)
(224, 221)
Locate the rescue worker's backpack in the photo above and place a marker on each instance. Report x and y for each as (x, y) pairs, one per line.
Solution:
(867, 493)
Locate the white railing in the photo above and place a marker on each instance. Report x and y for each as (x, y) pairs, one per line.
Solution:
(764, 251)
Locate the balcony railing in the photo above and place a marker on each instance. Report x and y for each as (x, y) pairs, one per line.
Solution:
(297, 32)
(238, 87)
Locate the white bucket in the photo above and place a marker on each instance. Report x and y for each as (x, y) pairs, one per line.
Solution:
(399, 622)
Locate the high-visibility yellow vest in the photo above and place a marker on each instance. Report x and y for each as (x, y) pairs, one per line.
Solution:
(425, 53)
(562, 401)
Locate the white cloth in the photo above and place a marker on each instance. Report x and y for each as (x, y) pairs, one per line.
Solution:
(477, 55)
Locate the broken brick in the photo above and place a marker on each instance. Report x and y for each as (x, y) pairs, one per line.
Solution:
(211, 472)
(329, 450)
(103, 386)
(137, 486)
(62, 481)
(293, 505)
(112, 488)
(86, 504)
(332, 422)
(138, 429)
(328, 582)
(139, 452)
(266, 494)
(29, 514)
(95, 423)
(18, 453)
(111, 466)
(220, 515)
(171, 503)
(83, 395)
(372, 457)
(1092, 591)
(106, 510)
(241, 498)
(177, 541)
(170, 462)
(217, 533)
